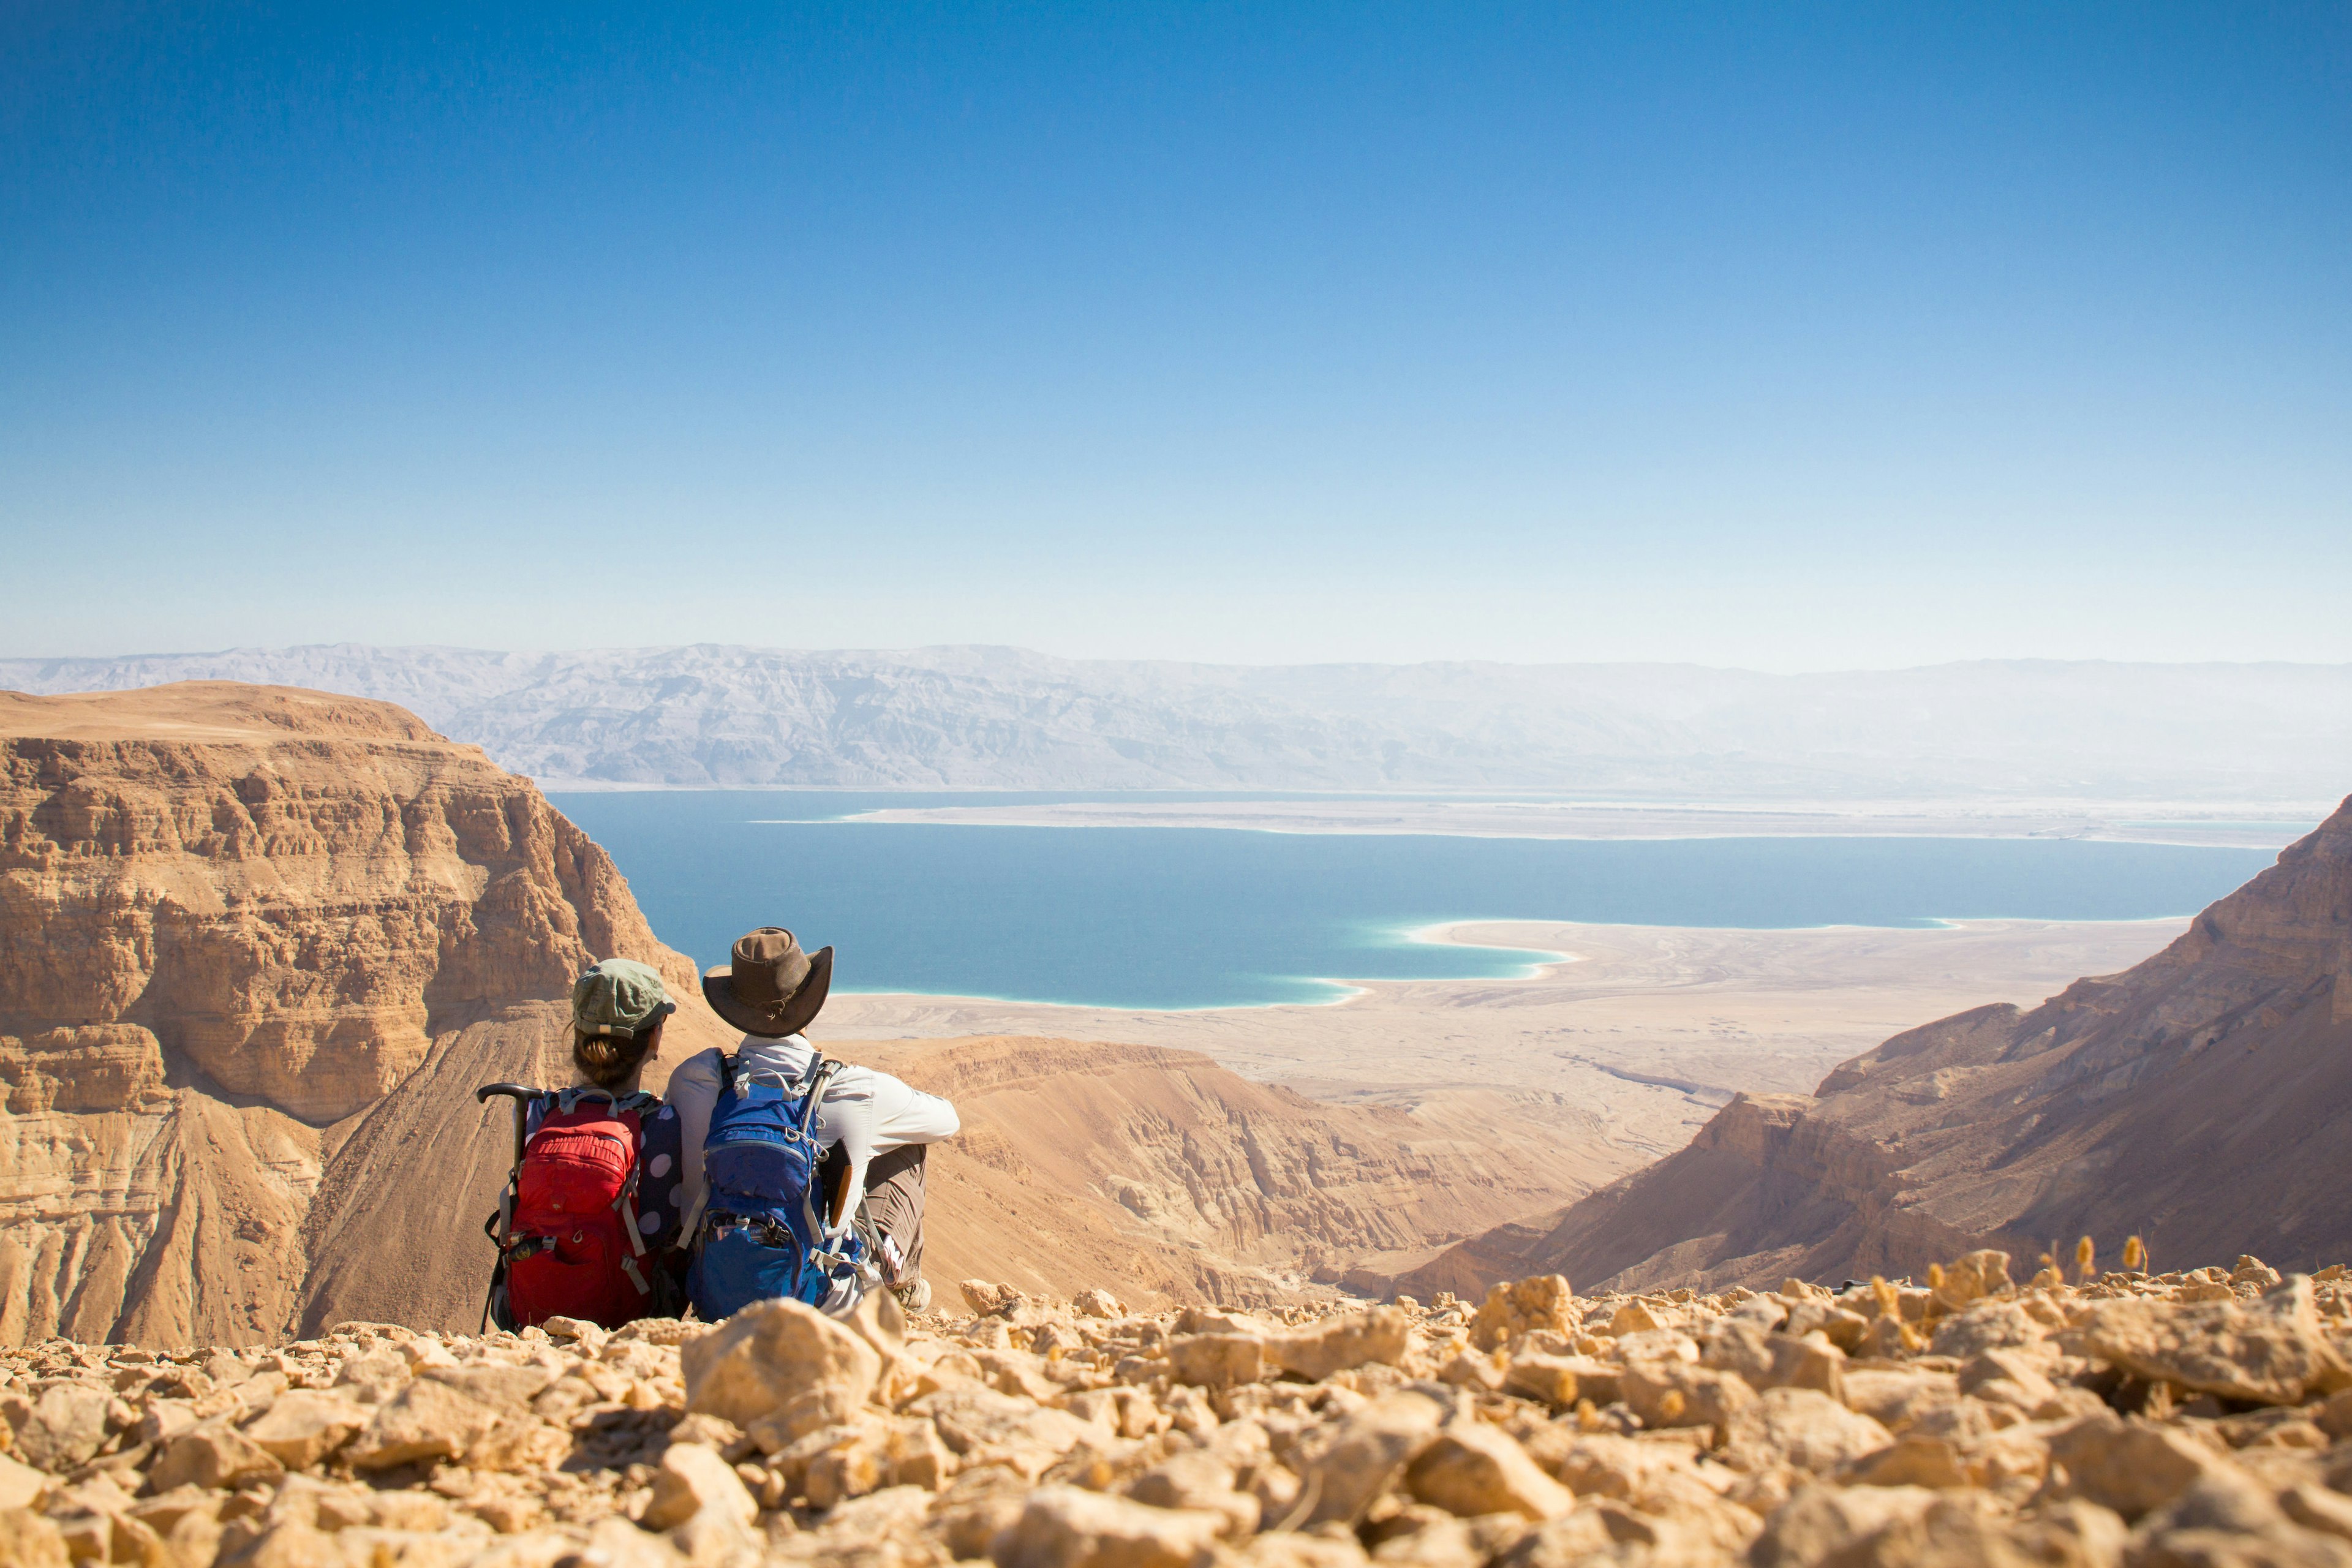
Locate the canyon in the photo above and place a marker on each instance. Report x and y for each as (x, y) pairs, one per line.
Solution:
(2198, 1099)
(263, 943)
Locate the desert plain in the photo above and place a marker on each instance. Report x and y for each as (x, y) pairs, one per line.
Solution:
(1605, 1058)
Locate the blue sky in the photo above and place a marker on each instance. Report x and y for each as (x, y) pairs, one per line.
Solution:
(1786, 337)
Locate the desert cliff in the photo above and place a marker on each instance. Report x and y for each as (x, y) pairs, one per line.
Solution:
(255, 939)
(263, 943)
(2202, 1100)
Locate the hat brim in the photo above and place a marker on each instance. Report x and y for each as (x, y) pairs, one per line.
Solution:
(795, 1014)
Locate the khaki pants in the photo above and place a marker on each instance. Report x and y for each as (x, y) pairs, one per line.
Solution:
(893, 1207)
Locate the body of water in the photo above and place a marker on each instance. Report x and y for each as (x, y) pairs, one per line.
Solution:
(1173, 917)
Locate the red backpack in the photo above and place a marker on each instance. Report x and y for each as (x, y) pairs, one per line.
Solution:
(570, 1244)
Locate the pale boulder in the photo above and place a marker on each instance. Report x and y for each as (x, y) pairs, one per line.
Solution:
(2271, 1350)
(21, 1486)
(1825, 1524)
(425, 1420)
(1216, 1361)
(1336, 1344)
(780, 1369)
(215, 1455)
(305, 1424)
(29, 1541)
(1806, 1429)
(1678, 1394)
(2131, 1466)
(693, 1478)
(1352, 1464)
(1200, 1481)
(501, 1387)
(1473, 1470)
(1542, 1301)
(59, 1426)
(1065, 1527)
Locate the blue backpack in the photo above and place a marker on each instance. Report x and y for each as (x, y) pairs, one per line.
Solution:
(762, 1235)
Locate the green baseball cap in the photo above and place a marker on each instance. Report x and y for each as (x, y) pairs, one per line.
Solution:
(618, 997)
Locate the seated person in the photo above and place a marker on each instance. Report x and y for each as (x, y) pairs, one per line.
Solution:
(873, 1127)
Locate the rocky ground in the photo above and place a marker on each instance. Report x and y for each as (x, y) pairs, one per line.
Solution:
(2198, 1418)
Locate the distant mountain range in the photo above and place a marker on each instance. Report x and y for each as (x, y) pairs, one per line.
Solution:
(972, 717)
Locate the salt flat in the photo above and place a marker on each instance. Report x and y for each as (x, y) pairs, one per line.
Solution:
(2258, 825)
(1612, 1056)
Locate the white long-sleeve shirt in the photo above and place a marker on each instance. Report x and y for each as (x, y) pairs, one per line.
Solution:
(864, 1112)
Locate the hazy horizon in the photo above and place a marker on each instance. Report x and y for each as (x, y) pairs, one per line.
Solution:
(1847, 338)
(1030, 650)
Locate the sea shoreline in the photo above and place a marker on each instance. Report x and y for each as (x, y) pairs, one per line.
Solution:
(1617, 1056)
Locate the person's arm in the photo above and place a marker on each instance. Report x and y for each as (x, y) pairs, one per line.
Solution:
(903, 1115)
(694, 1090)
(846, 1117)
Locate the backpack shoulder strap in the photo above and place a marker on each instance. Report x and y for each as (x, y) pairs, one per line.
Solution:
(820, 1073)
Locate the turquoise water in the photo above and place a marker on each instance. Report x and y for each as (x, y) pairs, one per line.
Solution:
(1170, 916)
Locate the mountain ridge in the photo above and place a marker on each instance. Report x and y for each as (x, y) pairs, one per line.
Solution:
(715, 716)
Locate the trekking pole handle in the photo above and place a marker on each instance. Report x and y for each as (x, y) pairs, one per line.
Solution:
(522, 1095)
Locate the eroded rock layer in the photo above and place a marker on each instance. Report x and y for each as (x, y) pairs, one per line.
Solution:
(2202, 1100)
(245, 928)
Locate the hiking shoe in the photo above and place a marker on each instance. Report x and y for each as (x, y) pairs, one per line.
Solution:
(914, 1296)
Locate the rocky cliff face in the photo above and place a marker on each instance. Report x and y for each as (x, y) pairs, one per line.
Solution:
(254, 937)
(261, 945)
(2202, 1100)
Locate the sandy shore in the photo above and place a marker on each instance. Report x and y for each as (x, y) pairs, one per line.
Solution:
(1616, 1054)
(2266, 825)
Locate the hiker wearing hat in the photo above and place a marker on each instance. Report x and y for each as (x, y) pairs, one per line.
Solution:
(873, 1128)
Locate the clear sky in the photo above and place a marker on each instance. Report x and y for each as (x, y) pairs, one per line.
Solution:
(1791, 337)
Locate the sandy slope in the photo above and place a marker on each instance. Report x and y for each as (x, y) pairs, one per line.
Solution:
(2201, 1100)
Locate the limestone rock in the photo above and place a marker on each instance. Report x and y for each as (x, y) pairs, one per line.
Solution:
(1201, 1481)
(1472, 1468)
(2129, 1466)
(693, 1478)
(215, 1455)
(1676, 1394)
(1352, 1464)
(781, 1365)
(60, 1426)
(1216, 1361)
(1805, 1428)
(1335, 1345)
(29, 1541)
(2269, 1352)
(426, 1420)
(983, 1296)
(1543, 1301)
(1064, 1527)
(21, 1486)
(304, 1426)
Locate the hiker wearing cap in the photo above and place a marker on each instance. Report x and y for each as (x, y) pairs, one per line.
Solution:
(618, 1007)
(872, 1127)
(586, 1225)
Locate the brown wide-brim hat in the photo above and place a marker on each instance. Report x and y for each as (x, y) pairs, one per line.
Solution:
(771, 988)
